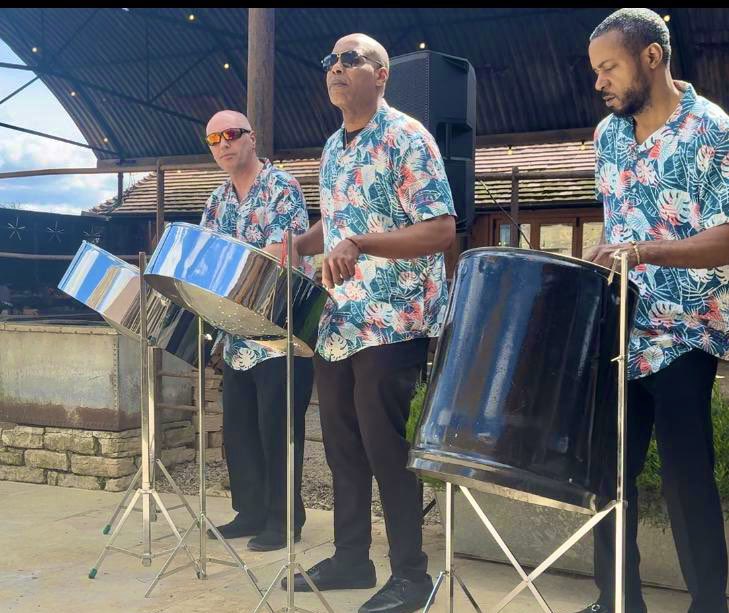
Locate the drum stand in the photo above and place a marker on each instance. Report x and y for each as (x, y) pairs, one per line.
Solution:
(618, 505)
(151, 500)
(291, 564)
(202, 521)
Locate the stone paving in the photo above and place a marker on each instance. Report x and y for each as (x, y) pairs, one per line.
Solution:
(50, 538)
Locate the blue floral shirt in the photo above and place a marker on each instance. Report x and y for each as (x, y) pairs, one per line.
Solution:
(390, 176)
(670, 187)
(273, 203)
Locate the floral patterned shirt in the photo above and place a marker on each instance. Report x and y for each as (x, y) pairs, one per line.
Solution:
(273, 203)
(390, 176)
(670, 187)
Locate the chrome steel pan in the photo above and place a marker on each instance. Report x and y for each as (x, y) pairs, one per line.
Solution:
(235, 287)
(110, 287)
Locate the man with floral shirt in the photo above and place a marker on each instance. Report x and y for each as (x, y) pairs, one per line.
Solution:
(387, 216)
(257, 204)
(662, 174)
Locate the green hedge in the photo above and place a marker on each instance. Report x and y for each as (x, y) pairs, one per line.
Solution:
(652, 506)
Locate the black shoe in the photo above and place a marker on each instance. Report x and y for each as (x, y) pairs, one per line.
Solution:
(331, 575)
(238, 528)
(400, 595)
(270, 540)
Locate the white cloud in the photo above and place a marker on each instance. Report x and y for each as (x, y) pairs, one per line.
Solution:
(19, 151)
(66, 208)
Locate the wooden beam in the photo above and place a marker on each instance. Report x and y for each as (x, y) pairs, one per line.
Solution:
(535, 138)
(261, 61)
(514, 229)
(170, 162)
(160, 217)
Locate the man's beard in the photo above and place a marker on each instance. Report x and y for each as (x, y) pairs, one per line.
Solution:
(636, 98)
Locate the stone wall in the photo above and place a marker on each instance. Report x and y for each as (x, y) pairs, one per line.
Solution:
(88, 459)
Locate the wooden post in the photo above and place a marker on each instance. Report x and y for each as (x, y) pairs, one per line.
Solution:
(514, 229)
(160, 222)
(261, 60)
(119, 188)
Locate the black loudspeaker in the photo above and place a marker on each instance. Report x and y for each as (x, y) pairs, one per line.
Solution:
(440, 91)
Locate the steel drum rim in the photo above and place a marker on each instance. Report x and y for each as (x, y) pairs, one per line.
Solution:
(294, 269)
(570, 259)
(539, 253)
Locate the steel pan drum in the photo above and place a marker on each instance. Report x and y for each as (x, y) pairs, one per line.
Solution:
(522, 400)
(236, 287)
(110, 286)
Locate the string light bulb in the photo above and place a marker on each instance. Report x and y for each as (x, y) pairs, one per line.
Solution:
(666, 18)
(73, 93)
(106, 140)
(34, 49)
(582, 146)
(191, 17)
(509, 151)
(422, 45)
(226, 66)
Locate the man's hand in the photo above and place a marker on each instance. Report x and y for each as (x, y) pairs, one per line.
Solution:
(277, 251)
(339, 265)
(603, 254)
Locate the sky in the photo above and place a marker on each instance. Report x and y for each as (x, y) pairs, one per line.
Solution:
(36, 108)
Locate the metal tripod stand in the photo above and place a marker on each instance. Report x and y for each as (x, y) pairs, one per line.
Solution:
(618, 505)
(291, 565)
(151, 500)
(201, 520)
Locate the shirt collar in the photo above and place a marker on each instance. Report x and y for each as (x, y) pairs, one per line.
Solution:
(230, 192)
(673, 123)
(377, 118)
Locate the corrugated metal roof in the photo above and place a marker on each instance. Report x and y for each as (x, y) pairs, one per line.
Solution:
(186, 191)
(148, 79)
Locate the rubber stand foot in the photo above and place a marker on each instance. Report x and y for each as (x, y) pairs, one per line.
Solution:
(92, 573)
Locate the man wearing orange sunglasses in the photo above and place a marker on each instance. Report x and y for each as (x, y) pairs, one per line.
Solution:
(257, 204)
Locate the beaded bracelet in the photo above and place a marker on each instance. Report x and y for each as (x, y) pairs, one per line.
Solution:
(637, 251)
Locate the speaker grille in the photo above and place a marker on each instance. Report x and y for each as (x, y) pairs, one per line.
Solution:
(409, 87)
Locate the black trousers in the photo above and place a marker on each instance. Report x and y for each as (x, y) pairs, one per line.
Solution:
(677, 400)
(364, 402)
(254, 433)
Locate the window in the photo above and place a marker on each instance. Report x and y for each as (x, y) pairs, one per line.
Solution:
(556, 238)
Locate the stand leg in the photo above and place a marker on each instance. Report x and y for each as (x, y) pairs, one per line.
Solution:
(290, 566)
(114, 535)
(622, 406)
(176, 489)
(122, 502)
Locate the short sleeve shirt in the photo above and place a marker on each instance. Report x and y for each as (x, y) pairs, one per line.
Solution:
(671, 187)
(390, 176)
(273, 203)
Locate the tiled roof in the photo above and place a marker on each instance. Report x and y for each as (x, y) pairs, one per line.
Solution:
(187, 190)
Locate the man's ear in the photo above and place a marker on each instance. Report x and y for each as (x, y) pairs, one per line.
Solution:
(383, 74)
(654, 55)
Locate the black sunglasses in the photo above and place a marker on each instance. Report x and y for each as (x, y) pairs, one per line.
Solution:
(349, 59)
(230, 134)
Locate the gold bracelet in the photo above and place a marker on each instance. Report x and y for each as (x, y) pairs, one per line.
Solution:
(634, 245)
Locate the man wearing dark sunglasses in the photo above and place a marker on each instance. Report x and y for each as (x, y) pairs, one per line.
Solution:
(257, 204)
(387, 216)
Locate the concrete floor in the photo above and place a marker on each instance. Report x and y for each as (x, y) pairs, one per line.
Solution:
(50, 537)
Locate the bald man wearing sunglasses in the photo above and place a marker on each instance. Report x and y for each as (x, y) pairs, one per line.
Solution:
(387, 216)
(257, 204)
